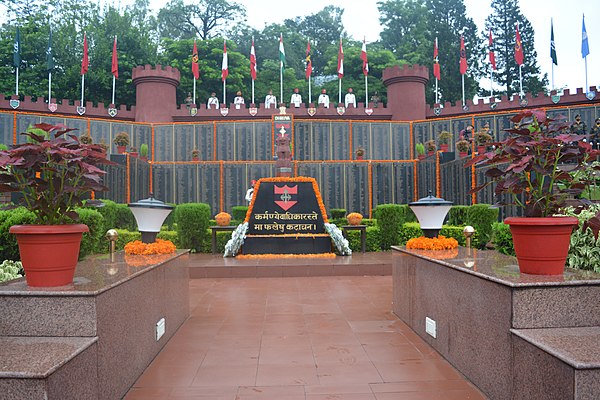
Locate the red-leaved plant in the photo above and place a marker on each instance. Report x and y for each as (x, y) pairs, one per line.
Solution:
(54, 172)
(534, 162)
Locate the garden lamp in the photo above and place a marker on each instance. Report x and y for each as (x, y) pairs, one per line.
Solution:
(150, 215)
(431, 212)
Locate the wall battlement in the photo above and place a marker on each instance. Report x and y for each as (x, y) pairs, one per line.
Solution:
(148, 71)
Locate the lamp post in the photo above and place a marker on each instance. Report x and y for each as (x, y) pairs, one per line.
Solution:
(150, 215)
(430, 212)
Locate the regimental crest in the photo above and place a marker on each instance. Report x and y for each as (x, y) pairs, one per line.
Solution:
(52, 107)
(465, 108)
(14, 103)
(368, 111)
(555, 98)
(590, 95)
(312, 111)
(493, 105)
(523, 102)
(437, 110)
(341, 110)
(80, 110)
(253, 111)
(285, 197)
(193, 111)
(224, 111)
(112, 112)
(282, 110)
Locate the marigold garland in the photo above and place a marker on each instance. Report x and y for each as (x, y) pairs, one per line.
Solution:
(160, 246)
(438, 243)
(271, 256)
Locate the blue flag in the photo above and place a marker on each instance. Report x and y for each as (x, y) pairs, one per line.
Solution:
(585, 47)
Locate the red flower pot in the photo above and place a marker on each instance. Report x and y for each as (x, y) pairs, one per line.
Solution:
(481, 149)
(463, 154)
(134, 154)
(121, 149)
(444, 147)
(541, 244)
(49, 253)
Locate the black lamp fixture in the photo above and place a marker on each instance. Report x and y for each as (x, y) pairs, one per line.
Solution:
(431, 212)
(150, 215)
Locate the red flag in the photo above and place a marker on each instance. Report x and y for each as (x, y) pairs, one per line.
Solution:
(492, 55)
(224, 64)
(115, 61)
(308, 61)
(195, 66)
(363, 57)
(436, 61)
(340, 68)
(85, 62)
(252, 62)
(518, 48)
(463, 56)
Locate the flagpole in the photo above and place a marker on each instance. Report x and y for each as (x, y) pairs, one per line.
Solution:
(82, 86)
(463, 89)
(491, 81)
(113, 90)
(340, 91)
(17, 83)
(436, 91)
(553, 76)
(366, 91)
(281, 82)
(520, 81)
(224, 92)
(309, 91)
(587, 88)
(194, 97)
(252, 91)
(49, 87)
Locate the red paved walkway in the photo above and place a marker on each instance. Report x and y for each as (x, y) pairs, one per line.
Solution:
(308, 338)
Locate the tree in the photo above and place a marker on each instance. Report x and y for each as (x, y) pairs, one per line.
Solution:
(204, 18)
(502, 21)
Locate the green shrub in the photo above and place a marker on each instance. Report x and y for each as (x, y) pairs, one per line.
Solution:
(481, 217)
(502, 238)
(373, 238)
(389, 220)
(369, 221)
(192, 221)
(125, 237)
(456, 232)
(9, 249)
(457, 215)
(170, 220)
(124, 218)
(91, 241)
(337, 213)
(169, 235)
(407, 214)
(339, 222)
(408, 231)
(109, 212)
(238, 213)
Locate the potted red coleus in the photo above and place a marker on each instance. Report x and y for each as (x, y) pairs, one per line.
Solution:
(54, 172)
(533, 166)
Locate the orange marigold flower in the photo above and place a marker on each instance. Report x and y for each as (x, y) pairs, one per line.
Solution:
(160, 246)
(438, 243)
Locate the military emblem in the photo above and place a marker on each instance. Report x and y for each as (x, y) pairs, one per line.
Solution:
(112, 112)
(193, 111)
(590, 95)
(224, 111)
(523, 102)
(14, 103)
(368, 111)
(493, 105)
(52, 107)
(555, 98)
(282, 110)
(437, 110)
(253, 111)
(283, 196)
(312, 111)
(80, 110)
(341, 110)
(465, 108)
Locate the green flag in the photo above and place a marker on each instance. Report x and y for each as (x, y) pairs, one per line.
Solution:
(552, 46)
(17, 50)
(49, 58)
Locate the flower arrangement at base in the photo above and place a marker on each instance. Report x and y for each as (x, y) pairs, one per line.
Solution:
(223, 219)
(354, 218)
(437, 243)
(137, 247)
(237, 240)
(338, 239)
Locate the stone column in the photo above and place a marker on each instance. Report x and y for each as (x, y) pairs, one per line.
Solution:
(156, 99)
(406, 91)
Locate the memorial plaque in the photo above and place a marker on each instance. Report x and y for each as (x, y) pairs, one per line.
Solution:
(244, 145)
(235, 184)
(286, 217)
(400, 141)
(403, 182)
(262, 142)
(183, 140)
(421, 133)
(163, 143)
(426, 177)
(23, 122)
(333, 184)
(361, 136)
(204, 141)
(340, 141)
(206, 184)
(100, 132)
(456, 182)
(163, 177)
(381, 141)
(302, 141)
(320, 143)
(357, 188)
(139, 179)
(6, 128)
(226, 141)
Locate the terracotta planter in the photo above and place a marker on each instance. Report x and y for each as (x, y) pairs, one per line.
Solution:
(359, 157)
(420, 156)
(49, 253)
(195, 158)
(463, 154)
(444, 147)
(121, 149)
(541, 244)
(430, 153)
(481, 149)
(134, 154)
(144, 158)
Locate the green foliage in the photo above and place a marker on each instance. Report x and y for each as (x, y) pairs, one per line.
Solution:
(169, 235)
(584, 250)
(170, 220)
(92, 240)
(9, 250)
(238, 213)
(390, 218)
(420, 148)
(456, 232)
(124, 218)
(369, 222)
(10, 270)
(408, 231)
(144, 150)
(502, 238)
(192, 223)
(458, 215)
(337, 213)
(109, 212)
(373, 238)
(481, 217)
(125, 236)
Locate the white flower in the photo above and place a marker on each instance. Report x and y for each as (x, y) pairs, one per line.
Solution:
(237, 240)
(338, 239)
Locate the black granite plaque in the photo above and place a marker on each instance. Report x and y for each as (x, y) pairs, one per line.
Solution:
(163, 143)
(400, 132)
(340, 141)
(286, 218)
(302, 141)
(6, 129)
(204, 141)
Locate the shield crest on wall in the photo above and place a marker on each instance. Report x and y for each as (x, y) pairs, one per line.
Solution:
(437, 110)
(14, 103)
(80, 110)
(590, 95)
(112, 112)
(311, 111)
(341, 110)
(193, 111)
(224, 111)
(368, 111)
(555, 98)
(52, 107)
(523, 102)
(286, 196)
(253, 111)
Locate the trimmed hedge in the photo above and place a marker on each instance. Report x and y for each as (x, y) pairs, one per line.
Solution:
(91, 241)
(482, 217)
(192, 221)
(238, 213)
(109, 212)
(390, 218)
(337, 213)
(372, 240)
(502, 238)
(9, 249)
(124, 218)
(458, 215)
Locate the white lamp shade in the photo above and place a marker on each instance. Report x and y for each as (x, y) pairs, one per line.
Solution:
(149, 219)
(431, 217)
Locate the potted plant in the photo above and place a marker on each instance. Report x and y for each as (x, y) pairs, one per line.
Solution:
(133, 152)
(54, 172)
(121, 141)
(420, 148)
(103, 146)
(360, 153)
(354, 218)
(223, 218)
(462, 146)
(195, 155)
(144, 152)
(430, 146)
(482, 139)
(86, 139)
(533, 164)
(444, 139)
